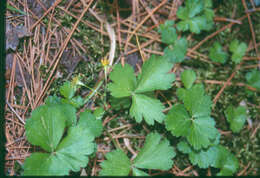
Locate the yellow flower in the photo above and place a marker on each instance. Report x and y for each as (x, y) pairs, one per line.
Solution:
(104, 62)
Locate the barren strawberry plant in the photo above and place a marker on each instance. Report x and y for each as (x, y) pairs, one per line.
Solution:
(132, 88)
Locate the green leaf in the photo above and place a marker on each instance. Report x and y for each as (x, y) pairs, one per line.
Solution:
(52, 100)
(204, 158)
(138, 172)
(70, 112)
(184, 147)
(45, 127)
(75, 148)
(76, 101)
(124, 81)
(43, 164)
(168, 32)
(236, 117)
(188, 77)
(253, 79)
(180, 123)
(148, 108)
(195, 16)
(156, 153)
(68, 90)
(195, 101)
(71, 154)
(99, 113)
(216, 53)
(155, 75)
(117, 164)
(191, 9)
(226, 161)
(238, 50)
(197, 137)
(177, 54)
(88, 121)
(216, 156)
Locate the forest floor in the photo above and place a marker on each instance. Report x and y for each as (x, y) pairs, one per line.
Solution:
(57, 40)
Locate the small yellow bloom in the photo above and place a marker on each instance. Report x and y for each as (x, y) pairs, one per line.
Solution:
(104, 62)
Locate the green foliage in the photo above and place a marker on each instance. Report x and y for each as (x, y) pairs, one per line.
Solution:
(68, 90)
(63, 155)
(192, 118)
(216, 53)
(154, 76)
(176, 52)
(215, 156)
(156, 154)
(168, 32)
(236, 117)
(46, 128)
(195, 16)
(117, 164)
(88, 120)
(177, 48)
(238, 50)
(124, 81)
(253, 79)
(188, 77)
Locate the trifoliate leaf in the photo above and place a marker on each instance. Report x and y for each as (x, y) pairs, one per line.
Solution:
(138, 172)
(117, 164)
(177, 52)
(156, 154)
(193, 128)
(168, 32)
(195, 16)
(192, 8)
(216, 53)
(68, 90)
(124, 81)
(45, 127)
(71, 154)
(236, 117)
(148, 108)
(184, 147)
(155, 75)
(238, 50)
(88, 121)
(253, 79)
(188, 77)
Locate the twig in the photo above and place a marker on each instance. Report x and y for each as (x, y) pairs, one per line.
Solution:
(17, 115)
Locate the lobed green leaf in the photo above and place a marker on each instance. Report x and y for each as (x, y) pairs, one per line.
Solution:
(124, 81)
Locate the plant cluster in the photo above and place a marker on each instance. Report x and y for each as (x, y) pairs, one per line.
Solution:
(68, 141)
